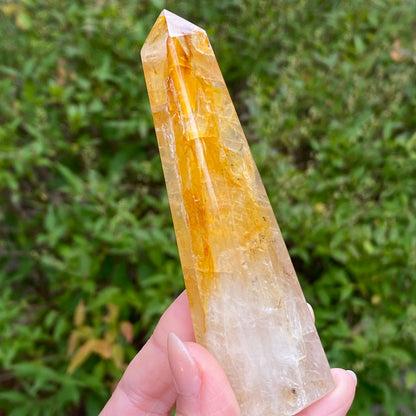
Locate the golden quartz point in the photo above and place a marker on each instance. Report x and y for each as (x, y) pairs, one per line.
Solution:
(246, 303)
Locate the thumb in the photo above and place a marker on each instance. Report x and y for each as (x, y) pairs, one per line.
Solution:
(200, 382)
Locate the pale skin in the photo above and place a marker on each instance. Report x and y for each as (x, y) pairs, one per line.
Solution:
(171, 369)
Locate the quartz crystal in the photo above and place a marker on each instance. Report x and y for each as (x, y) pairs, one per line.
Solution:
(246, 303)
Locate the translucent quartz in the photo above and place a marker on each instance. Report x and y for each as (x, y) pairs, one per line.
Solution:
(246, 302)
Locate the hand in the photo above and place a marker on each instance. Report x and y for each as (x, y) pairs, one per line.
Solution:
(168, 371)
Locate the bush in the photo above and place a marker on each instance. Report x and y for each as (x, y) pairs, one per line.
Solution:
(88, 259)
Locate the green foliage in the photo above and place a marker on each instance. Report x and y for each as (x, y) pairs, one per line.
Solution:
(85, 219)
(88, 259)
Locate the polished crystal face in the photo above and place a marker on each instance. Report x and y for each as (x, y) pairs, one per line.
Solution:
(246, 302)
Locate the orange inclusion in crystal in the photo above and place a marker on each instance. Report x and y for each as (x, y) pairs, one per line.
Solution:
(210, 172)
(188, 149)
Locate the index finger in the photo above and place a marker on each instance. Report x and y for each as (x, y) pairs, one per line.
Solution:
(147, 385)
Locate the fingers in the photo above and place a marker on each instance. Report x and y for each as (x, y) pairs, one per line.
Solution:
(338, 402)
(167, 370)
(147, 386)
(201, 385)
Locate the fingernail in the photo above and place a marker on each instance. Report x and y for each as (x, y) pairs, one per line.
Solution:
(184, 370)
(353, 375)
(311, 311)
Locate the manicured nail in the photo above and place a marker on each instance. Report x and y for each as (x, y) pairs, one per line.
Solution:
(353, 375)
(184, 370)
(311, 311)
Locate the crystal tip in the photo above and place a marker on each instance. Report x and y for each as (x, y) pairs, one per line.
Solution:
(178, 26)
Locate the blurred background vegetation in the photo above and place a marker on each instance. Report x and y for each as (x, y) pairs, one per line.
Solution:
(326, 92)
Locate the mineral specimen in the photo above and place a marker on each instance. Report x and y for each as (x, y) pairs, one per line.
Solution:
(246, 302)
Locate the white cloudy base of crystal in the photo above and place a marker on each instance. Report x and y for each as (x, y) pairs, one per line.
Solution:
(267, 346)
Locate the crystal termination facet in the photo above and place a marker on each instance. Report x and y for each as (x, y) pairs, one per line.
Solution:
(246, 303)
